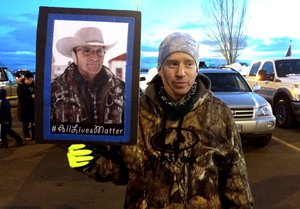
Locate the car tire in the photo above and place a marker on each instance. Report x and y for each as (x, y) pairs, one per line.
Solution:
(263, 141)
(283, 114)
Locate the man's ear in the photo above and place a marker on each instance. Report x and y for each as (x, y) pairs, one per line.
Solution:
(159, 71)
(74, 57)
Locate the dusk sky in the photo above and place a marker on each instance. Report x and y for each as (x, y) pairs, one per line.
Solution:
(270, 27)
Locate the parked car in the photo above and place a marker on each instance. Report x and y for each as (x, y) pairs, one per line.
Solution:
(278, 81)
(252, 113)
(9, 83)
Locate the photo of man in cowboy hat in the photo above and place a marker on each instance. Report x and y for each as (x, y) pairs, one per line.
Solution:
(87, 91)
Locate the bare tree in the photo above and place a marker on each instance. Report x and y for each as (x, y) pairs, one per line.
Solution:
(226, 24)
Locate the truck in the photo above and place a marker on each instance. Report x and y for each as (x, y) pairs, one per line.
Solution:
(278, 81)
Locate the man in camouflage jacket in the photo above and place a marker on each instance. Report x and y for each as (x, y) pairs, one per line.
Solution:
(188, 153)
(74, 100)
(87, 92)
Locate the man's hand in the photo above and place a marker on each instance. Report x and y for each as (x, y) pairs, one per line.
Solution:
(77, 156)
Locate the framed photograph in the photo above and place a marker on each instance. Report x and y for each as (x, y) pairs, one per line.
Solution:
(87, 76)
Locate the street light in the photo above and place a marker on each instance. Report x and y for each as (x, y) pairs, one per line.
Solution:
(137, 5)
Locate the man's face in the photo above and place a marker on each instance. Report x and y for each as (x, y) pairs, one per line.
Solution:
(178, 73)
(89, 60)
(28, 81)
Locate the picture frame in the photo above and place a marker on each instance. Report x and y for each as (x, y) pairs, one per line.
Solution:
(120, 27)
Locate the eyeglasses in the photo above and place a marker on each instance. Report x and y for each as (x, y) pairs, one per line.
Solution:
(88, 52)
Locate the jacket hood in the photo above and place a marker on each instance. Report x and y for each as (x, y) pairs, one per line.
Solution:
(178, 109)
(205, 80)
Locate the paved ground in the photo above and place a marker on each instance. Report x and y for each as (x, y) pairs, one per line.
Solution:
(37, 176)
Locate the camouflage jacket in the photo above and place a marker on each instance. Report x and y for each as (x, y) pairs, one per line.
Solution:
(73, 100)
(195, 162)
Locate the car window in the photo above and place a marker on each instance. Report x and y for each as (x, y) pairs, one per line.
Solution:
(287, 67)
(2, 75)
(268, 70)
(11, 78)
(228, 82)
(254, 69)
(268, 67)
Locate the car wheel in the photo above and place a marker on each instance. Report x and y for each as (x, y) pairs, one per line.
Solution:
(262, 141)
(283, 114)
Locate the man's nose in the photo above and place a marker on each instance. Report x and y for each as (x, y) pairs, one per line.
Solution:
(181, 70)
(94, 54)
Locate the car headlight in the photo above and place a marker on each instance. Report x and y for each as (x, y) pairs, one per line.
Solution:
(265, 110)
(297, 91)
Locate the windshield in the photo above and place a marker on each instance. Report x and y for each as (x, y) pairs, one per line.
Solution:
(287, 67)
(228, 82)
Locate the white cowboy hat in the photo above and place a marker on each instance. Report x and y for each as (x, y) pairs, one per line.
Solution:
(83, 37)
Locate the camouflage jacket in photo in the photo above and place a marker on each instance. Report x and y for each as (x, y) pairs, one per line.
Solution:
(195, 162)
(74, 100)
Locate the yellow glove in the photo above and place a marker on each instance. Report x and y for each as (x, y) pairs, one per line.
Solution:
(77, 156)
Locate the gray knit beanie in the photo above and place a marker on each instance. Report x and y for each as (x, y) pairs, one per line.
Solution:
(177, 42)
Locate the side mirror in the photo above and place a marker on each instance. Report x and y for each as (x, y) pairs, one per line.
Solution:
(256, 87)
(262, 75)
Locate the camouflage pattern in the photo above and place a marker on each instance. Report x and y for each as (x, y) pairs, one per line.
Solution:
(208, 170)
(73, 100)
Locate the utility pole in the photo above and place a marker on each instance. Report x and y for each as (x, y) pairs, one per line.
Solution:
(137, 5)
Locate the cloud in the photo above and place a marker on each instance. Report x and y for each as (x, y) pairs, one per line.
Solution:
(28, 53)
(279, 20)
(269, 30)
(18, 40)
(191, 25)
(274, 47)
(147, 48)
(20, 34)
(259, 48)
(18, 60)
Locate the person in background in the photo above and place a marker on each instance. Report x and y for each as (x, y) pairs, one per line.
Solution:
(188, 152)
(19, 79)
(6, 122)
(26, 96)
(87, 92)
